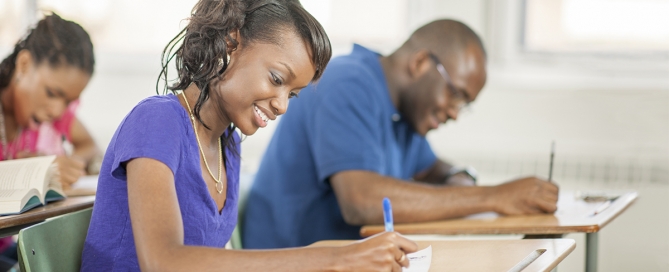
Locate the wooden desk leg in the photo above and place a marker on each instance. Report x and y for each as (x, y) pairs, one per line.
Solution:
(591, 242)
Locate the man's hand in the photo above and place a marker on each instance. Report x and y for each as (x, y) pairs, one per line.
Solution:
(525, 196)
(70, 170)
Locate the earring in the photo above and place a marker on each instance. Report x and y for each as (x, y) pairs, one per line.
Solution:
(227, 59)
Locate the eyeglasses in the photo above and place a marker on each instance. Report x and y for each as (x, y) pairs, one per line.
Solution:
(458, 98)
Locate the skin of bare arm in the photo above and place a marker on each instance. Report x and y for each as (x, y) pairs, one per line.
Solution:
(72, 167)
(438, 174)
(359, 192)
(82, 142)
(158, 233)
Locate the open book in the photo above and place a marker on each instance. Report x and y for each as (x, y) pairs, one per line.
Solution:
(28, 183)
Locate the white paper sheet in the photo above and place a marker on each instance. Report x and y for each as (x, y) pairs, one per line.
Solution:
(86, 182)
(419, 261)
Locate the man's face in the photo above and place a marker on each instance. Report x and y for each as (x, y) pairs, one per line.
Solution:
(439, 93)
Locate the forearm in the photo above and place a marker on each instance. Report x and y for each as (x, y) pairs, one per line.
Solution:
(84, 147)
(436, 174)
(191, 258)
(86, 151)
(360, 193)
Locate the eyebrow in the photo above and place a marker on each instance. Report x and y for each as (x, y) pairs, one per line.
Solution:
(292, 74)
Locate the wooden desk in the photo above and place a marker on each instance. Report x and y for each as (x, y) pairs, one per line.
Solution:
(573, 215)
(493, 255)
(11, 224)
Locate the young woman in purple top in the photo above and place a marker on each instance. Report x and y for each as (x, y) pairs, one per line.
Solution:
(167, 193)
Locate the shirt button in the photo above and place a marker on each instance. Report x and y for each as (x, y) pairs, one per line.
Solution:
(396, 117)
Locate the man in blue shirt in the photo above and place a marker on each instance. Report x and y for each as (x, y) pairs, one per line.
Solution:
(358, 135)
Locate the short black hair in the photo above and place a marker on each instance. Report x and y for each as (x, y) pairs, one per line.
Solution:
(445, 38)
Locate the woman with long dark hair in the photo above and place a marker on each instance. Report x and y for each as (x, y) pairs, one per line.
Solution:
(168, 188)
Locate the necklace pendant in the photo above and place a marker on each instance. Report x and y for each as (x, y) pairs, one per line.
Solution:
(219, 187)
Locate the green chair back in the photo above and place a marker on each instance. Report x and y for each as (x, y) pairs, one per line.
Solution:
(56, 244)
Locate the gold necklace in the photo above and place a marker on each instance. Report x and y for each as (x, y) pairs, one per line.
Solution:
(219, 184)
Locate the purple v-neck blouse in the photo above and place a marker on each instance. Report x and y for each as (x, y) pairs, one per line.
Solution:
(158, 128)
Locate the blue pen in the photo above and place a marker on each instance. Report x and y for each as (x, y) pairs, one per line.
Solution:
(387, 214)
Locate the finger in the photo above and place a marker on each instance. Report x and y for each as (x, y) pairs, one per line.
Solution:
(73, 163)
(395, 267)
(549, 198)
(72, 170)
(406, 245)
(547, 206)
(404, 260)
(529, 207)
(551, 187)
(79, 164)
(68, 177)
(550, 194)
(533, 211)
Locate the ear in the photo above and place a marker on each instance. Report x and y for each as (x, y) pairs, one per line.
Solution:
(419, 63)
(235, 36)
(24, 63)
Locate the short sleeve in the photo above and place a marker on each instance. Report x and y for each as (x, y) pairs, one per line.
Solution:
(425, 157)
(153, 129)
(346, 127)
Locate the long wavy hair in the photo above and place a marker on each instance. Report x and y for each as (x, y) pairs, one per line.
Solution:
(199, 50)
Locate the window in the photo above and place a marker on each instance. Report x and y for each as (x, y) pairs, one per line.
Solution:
(603, 26)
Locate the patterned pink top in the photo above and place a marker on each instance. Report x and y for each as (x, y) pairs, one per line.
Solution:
(47, 139)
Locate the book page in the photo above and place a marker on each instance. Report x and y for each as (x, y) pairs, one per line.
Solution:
(16, 201)
(12, 195)
(419, 261)
(25, 174)
(85, 186)
(53, 187)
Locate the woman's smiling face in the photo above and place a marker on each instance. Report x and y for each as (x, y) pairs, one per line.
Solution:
(260, 79)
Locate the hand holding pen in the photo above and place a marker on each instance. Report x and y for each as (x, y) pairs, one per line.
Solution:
(375, 254)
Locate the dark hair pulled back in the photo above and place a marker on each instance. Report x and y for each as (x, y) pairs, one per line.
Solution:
(200, 49)
(55, 41)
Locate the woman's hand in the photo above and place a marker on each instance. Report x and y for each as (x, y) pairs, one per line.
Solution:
(382, 252)
(70, 169)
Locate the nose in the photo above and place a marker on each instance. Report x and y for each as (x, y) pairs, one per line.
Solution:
(280, 104)
(452, 113)
(56, 109)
